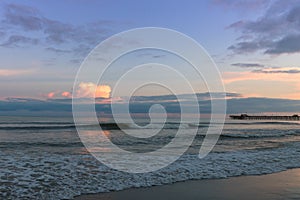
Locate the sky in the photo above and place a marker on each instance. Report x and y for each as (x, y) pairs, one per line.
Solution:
(254, 43)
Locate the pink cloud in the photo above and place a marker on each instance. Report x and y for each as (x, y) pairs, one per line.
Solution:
(58, 94)
(66, 94)
(51, 95)
(88, 89)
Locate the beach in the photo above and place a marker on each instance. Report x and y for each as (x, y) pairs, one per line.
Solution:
(150, 100)
(282, 185)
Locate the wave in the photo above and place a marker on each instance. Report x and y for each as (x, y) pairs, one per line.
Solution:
(259, 135)
(114, 126)
(263, 122)
(108, 126)
(40, 144)
(36, 122)
(105, 126)
(35, 127)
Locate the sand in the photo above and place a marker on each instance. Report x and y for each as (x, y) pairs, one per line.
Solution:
(283, 185)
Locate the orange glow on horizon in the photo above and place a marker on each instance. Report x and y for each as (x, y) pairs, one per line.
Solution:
(270, 85)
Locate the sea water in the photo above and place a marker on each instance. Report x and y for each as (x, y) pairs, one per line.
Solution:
(43, 158)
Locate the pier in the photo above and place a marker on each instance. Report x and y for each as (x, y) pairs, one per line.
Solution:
(294, 117)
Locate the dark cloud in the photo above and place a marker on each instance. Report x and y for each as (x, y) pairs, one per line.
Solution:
(236, 25)
(288, 44)
(158, 56)
(244, 47)
(57, 50)
(184, 97)
(290, 71)
(276, 32)
(57, 32)
(214, 95)
(152, 55)
(2, 34)
(25, 17)
(232, 94)
(250, 47)
(25, 20)
(82, 50)
(13, 99)
(248, 65)
(16, 40)
(76, 61)
(294, 15)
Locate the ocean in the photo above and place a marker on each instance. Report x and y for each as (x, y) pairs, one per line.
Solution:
(43, 158)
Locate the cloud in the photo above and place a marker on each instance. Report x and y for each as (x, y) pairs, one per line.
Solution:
(91, 90)
(235, 105)
(51, 95)
(248, 47)
(58, 94)
(248, 65)
(185, 97)
(14, 99)
(66, 94)
(14, 40)
(282, 71)
(15, 72)
(84, 90)
(276, 32)
(26, 17)
(55, 50)
(25, 20)
(2, 34)
(288, 44)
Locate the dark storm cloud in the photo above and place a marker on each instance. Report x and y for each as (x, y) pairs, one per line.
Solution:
(276, 32)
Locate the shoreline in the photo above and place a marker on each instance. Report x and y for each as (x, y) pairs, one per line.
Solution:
(281, 185)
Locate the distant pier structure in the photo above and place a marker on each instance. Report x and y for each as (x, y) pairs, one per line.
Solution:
(294, 117)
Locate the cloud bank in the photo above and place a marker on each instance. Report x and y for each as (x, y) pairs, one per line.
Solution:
(142, 104)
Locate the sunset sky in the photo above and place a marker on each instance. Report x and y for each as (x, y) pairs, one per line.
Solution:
(255, 43)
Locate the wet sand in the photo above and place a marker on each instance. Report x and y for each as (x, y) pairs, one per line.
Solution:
(283, 185)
